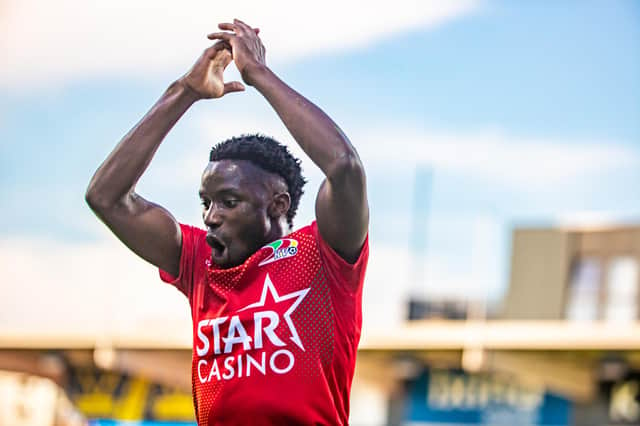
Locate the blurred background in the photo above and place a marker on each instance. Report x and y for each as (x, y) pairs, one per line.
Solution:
(501, 141)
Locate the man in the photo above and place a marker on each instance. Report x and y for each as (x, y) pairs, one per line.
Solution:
(276, 320)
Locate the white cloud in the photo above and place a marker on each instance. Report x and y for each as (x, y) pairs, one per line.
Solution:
(45, 42)
(491, 155)
(600, 219)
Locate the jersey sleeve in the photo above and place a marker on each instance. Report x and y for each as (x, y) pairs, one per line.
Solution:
(188, 255)
(348, 275)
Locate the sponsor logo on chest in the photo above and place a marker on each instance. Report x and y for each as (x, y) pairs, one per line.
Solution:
(250, 341)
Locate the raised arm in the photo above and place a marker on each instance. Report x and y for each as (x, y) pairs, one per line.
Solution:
(146, 228)
(342, 212)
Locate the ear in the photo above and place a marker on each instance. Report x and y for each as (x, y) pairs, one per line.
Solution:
(279, 205)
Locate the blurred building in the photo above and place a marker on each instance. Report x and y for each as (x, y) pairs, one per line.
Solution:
(565, 345)
(575, 274)
(583, 276)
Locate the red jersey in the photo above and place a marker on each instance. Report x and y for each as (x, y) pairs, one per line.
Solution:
(275, 338)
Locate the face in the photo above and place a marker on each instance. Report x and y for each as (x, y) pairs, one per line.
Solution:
(238, 210)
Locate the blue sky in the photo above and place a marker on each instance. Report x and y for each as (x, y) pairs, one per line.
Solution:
(520, 112)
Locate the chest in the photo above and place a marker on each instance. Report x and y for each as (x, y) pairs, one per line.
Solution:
(278, 298)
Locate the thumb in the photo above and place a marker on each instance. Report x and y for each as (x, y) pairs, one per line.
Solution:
(233, 86)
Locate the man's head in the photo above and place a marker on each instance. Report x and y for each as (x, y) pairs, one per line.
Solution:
(250, 192)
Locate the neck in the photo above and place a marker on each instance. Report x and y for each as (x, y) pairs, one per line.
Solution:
(279, 228)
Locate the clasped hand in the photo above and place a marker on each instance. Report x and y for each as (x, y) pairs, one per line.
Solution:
(238, 43)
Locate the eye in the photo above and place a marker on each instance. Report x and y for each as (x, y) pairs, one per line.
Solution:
(205, 203)
(230, 203)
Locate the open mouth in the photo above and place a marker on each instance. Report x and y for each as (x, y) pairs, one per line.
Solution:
(217, 246)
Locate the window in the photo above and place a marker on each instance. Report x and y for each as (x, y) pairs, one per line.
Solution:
(584, 288)
(621, 300)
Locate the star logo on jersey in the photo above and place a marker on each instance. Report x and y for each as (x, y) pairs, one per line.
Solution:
(268, 288)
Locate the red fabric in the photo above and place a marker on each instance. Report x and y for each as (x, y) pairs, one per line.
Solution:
(274, 339)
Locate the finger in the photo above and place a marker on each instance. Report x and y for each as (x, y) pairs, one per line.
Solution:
(234, 86)
(213, 50)
(221, 36)
(227, 26)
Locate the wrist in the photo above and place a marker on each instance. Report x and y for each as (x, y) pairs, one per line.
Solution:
(253, 73)
(181, 89)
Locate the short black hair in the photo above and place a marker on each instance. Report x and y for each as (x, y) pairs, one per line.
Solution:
(271, 156)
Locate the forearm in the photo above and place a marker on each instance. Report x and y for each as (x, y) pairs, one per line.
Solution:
(321, 139)
(119, 173)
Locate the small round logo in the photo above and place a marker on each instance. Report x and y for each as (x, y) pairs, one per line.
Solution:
(280, 249)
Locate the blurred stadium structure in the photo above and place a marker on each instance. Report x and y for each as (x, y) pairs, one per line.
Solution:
(563, 349)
